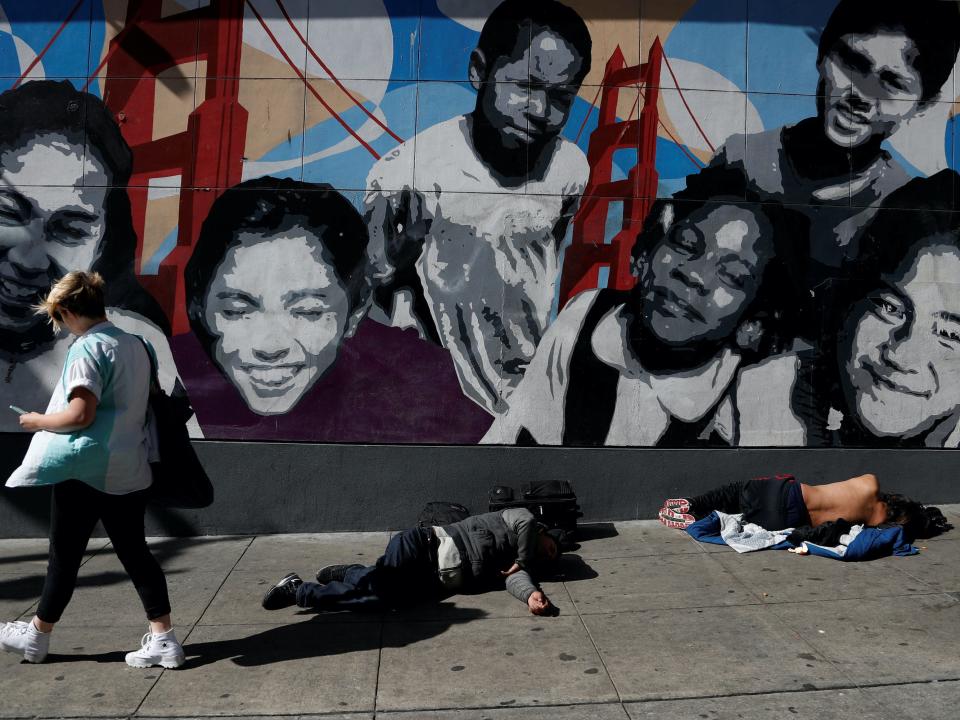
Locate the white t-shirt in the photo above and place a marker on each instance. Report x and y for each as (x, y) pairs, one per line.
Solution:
(490, 255)
(112, 453)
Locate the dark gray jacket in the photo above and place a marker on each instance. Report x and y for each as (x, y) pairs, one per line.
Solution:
(491, 543)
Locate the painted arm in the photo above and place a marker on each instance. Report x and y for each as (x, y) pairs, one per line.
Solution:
(567, 211)
(537, 405)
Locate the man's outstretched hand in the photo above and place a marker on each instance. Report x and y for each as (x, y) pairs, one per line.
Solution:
(539, 604)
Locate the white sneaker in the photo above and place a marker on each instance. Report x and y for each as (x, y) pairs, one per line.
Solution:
(157, 649)
(23, 638)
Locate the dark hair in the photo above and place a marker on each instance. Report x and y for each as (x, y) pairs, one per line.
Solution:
(910, 216)
(38, 107)
(503, 29)
(271, 205)
(933, 25)
(777, 300)
(920, 210)
(918, 521)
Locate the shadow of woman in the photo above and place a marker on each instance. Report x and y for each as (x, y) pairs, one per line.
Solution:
(321, 635)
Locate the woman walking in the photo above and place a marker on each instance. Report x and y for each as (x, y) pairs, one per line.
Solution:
(92, 446)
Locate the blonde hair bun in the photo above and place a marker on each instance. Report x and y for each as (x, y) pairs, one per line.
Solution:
(81, 292)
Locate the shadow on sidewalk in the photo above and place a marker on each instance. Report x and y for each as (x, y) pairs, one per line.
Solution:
(318, 637)
(315, 637)
(29, 587)
(569, 568)
(596, 531)
(165, 549)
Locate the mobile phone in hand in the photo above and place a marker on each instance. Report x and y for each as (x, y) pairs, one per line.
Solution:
(18, 411)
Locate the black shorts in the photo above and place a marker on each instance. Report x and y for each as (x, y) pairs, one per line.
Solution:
(774, 503)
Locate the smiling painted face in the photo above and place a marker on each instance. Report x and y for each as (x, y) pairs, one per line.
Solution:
(278, 314)
(46, 231)
(901, 368)
(702, 276)
(869, 86)
(528, 98)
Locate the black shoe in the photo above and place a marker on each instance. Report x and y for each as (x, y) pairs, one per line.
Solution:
(333, 573)
(283, 594)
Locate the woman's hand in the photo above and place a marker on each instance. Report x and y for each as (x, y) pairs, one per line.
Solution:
(32, 421)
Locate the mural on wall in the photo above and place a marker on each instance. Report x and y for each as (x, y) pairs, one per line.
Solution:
(707, 222)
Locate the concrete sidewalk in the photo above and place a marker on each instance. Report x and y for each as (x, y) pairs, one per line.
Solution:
(652, 625)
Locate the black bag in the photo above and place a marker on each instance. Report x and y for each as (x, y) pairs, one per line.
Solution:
(179, 480)
(441, 513)
(552, 502)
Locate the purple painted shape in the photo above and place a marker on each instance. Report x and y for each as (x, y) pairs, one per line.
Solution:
(387, 386)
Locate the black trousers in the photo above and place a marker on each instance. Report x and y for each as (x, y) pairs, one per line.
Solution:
(74, 510)
(406, 574)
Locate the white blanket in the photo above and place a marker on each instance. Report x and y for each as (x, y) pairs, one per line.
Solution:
(749, 537)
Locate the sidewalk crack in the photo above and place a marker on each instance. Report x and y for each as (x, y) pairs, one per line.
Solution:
(189, 632)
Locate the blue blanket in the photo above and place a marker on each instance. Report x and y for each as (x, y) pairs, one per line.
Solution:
(867, 543)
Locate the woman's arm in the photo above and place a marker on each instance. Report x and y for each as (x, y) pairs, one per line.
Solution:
(79, 414)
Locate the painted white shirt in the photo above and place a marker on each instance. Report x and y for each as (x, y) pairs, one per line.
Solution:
(759, 413)
(646, 403)
(490, 256)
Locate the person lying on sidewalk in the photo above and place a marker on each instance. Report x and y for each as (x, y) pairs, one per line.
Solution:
(493, 550)
(825, 515)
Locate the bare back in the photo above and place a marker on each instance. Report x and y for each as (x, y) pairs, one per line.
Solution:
(855, 500)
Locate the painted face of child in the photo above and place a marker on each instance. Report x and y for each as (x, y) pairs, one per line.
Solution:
(870, 86)
(901, 372)
(45, 230)
(278, 313)
(528, 97)
(704, 274)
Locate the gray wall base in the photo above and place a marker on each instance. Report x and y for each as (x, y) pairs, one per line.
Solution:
(291, 487)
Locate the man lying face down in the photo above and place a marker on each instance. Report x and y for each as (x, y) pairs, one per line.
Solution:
(482, 552)
(782, 502)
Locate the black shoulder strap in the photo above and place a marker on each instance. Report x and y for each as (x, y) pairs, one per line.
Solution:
(591, 396)
(154, 372)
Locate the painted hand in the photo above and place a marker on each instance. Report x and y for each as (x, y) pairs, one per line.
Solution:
(410, 226)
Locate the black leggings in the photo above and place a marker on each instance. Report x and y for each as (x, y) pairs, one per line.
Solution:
(74, 510)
